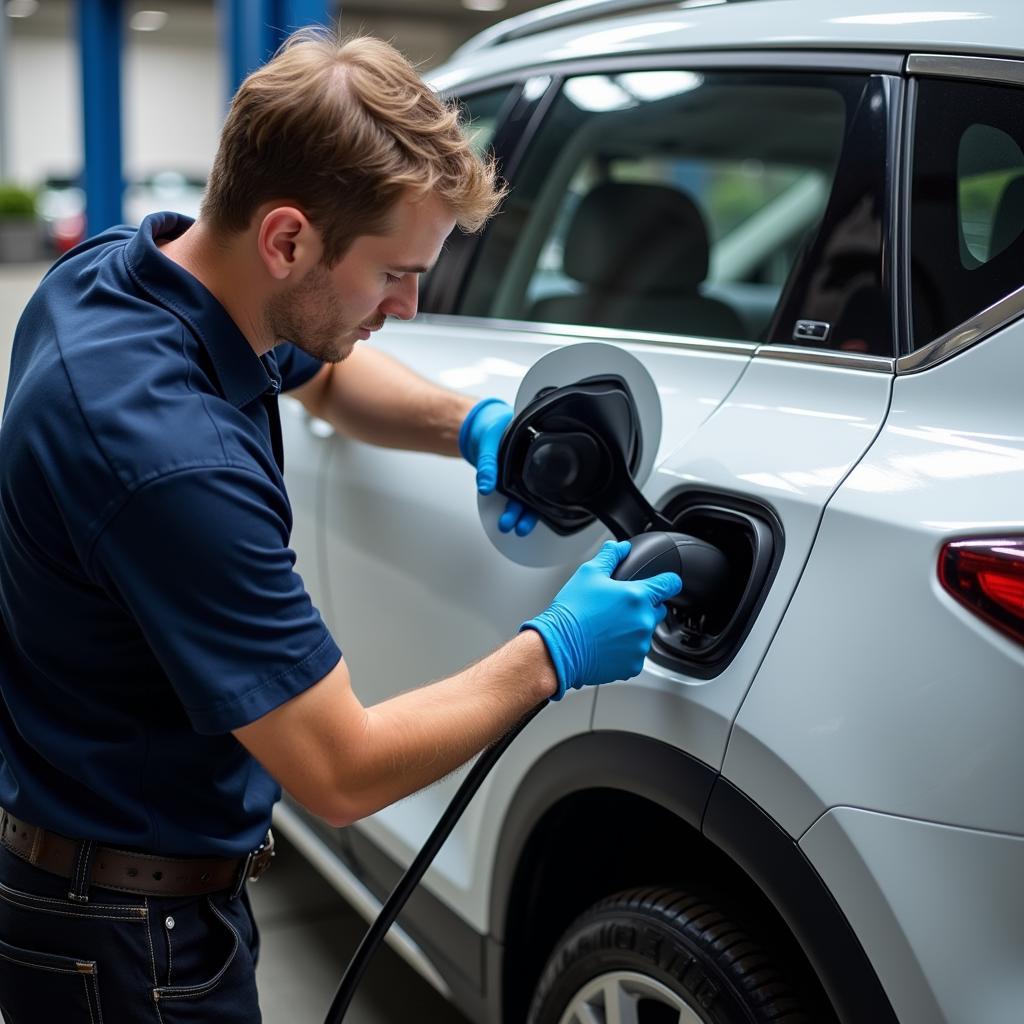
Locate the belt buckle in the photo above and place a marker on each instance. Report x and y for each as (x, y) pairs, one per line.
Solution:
(254, 864)
(259, 859)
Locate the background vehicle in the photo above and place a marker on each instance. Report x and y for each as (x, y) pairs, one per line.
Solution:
(804, 220)
(61, 203)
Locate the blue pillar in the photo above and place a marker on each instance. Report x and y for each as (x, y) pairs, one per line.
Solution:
(99, 43)
(252, 30)
(247, 39)
(293, 14)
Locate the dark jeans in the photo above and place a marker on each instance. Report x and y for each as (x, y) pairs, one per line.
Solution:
(121, 958)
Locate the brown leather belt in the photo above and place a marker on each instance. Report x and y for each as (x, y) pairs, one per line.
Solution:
(126, 871)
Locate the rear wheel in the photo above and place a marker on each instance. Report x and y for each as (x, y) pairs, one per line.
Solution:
(662, 956)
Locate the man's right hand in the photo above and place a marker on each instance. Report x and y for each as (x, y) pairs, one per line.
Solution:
(598, 629)
(344, 761)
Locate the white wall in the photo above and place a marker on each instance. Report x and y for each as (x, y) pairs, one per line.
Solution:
(173, 83)
(172, 107)
(43, 109)
(173, 104)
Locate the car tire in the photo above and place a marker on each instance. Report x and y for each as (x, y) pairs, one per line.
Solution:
(662, 955)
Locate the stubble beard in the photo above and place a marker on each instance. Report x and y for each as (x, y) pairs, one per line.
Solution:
(311, 319)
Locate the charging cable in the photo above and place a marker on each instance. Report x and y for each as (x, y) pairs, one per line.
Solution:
(416, 870)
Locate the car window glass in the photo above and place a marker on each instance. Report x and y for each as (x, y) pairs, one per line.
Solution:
(967, 203)
(670, 201)
(483, 114)
(481, 117)
(988, 162)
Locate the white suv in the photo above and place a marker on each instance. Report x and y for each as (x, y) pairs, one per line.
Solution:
(789, 235)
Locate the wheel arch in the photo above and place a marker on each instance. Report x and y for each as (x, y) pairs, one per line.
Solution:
(681, 818)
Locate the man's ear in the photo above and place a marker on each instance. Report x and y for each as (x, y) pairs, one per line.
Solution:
(288, 244)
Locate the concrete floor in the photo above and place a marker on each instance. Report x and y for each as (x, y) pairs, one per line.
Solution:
(308, 931)
(308, 934)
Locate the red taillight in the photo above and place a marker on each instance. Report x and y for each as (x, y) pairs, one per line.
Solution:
(987, 576)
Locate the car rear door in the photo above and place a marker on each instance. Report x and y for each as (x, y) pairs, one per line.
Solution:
(753, 294)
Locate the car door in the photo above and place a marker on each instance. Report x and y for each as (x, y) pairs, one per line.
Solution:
(691, 216)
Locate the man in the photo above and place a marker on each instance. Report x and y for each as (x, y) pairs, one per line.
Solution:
(163, 671)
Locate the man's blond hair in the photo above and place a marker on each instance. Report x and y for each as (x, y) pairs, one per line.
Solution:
(343, 129)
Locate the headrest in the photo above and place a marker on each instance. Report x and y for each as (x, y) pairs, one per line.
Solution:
(637, 238)
(1008, 222)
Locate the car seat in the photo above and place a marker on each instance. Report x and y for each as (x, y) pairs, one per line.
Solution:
(1008, 222)
(640, 253)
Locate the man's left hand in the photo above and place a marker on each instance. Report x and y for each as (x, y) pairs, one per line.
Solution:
(479, 440)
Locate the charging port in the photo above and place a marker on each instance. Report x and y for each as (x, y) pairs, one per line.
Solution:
(703, 641)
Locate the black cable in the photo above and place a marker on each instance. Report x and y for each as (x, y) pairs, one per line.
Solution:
(416, 870)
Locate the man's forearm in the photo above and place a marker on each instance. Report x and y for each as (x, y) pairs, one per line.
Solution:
(344, 761)
(375, 398)
(425, 734)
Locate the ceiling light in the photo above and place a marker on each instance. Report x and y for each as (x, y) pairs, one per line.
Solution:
(148, 21)
(597, 93)
(657, 85)
(534, 88)
(21, 8)
(484, 5)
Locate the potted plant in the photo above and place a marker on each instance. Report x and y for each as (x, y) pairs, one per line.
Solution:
(19, 226)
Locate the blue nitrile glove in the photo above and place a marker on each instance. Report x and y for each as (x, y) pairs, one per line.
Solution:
(479, 439)
(598, 629)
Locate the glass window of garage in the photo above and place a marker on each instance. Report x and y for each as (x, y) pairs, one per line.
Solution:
(967, 202)
(673, 201)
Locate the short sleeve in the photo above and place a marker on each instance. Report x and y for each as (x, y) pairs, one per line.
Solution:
(295, 366)
(200, 560)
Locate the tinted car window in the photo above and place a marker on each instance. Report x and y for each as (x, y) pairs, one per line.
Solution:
(967, 207)
(669, 201)
(484, 114)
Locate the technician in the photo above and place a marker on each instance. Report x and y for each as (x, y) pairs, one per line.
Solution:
(162, 669)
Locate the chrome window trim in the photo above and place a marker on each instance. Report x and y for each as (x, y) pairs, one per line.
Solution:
(470, 87)
(979, 327)
(752, 349)
(902, 283)
(824, 357)
(747, 59)
(949, 65)
(1011, 307)
(590, 333)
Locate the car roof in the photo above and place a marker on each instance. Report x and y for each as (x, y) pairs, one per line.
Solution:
(920, 26)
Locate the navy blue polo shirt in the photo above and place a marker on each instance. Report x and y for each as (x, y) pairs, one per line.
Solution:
(149, 601)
